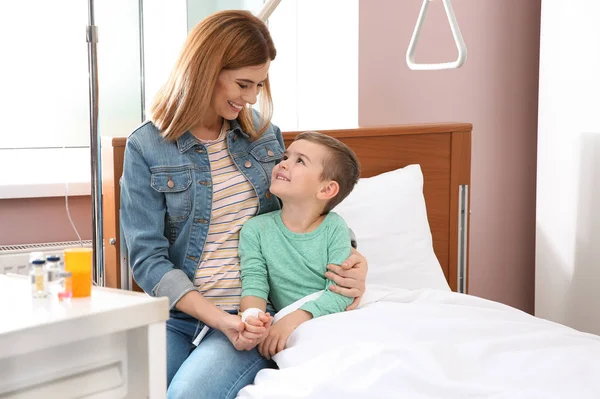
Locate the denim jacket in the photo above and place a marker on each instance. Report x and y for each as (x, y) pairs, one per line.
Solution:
(166, 200)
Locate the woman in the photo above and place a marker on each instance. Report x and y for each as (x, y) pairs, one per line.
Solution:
(192, 176)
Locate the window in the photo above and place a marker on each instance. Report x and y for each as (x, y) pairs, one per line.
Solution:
(44, 141)
(44, 73)
(44, 77)
(45, 87)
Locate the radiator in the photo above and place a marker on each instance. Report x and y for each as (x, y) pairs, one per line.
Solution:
(15, 258)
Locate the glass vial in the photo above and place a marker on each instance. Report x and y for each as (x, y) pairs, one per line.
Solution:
(39, 278)
(66, 287)
(54, 270)
(36, 255)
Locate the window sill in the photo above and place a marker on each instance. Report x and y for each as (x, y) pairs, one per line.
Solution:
(38, 173)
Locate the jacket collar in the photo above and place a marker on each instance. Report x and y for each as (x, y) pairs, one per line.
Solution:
(188, 140)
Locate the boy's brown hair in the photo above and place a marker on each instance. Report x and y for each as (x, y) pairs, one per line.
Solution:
(341, 165)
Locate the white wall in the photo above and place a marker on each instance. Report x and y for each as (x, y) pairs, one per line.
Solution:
(568, 185)
(165, 30)
(197, 10)
(314, 78)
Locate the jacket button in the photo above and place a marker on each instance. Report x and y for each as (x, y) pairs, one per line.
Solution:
(270, 153)
(248, 164)
(170, 183)
(268, 195)
(204, 183)
(201, 151)
(203, 221)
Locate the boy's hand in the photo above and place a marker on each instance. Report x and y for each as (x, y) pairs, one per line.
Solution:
(280, 332)
(257, 329)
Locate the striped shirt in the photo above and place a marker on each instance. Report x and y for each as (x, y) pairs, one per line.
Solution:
(234, 202)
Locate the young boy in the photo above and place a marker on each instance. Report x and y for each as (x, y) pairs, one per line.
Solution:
(284, 254)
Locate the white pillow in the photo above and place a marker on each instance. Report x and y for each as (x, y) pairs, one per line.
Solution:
(388, 216)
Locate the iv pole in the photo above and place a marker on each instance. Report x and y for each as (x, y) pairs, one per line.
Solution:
(95, 148)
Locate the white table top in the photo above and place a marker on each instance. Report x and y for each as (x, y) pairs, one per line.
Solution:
(28, 324)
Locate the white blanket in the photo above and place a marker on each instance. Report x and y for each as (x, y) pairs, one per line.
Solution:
(432, 344)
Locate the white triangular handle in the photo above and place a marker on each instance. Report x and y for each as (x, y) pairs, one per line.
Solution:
(460, 44)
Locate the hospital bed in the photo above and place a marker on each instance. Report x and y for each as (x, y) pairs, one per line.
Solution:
(418, 333)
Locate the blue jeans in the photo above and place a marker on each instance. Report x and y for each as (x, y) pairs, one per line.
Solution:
(214, 369)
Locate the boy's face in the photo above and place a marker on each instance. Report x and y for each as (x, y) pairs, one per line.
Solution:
(298, 175)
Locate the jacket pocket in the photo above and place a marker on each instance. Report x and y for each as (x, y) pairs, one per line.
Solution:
(268, 154)
(176, 188)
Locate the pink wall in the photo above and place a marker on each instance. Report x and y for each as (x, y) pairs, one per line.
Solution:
(38, 220)
(496, 90)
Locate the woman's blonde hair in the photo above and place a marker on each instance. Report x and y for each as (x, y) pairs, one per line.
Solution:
(229, 39)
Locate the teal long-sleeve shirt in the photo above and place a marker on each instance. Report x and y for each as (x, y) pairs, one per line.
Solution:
(284, 266)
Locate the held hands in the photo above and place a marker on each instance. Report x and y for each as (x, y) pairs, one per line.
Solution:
(232, 326)
(280, 332)
(257, 329)
(245, 336)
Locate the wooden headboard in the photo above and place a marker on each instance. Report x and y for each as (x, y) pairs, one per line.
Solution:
(443, 150)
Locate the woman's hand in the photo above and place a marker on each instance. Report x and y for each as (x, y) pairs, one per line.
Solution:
(233, 326)
(350, 278)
